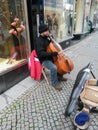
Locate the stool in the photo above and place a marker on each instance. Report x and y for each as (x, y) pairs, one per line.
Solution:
(44, 74)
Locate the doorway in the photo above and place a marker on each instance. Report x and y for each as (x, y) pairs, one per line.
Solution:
(37, 16)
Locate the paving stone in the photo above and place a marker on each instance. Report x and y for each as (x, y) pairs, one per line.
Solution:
(36, 128)
(41, 107)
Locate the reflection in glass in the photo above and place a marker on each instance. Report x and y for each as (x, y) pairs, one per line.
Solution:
(13, 36)
(59, 18)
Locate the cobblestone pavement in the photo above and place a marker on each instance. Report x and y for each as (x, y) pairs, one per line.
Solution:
(42, 108)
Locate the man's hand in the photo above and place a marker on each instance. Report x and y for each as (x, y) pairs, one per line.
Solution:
(54, 53)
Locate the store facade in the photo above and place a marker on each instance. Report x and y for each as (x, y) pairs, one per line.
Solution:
(19, 22)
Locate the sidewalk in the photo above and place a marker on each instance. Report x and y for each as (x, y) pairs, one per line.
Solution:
(33, 105)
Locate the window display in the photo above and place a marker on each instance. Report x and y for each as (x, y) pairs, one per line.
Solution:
(14, 47)
(59, 17)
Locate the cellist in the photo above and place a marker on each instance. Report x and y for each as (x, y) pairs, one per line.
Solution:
(46, 58)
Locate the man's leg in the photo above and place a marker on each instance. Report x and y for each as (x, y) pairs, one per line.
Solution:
(61, 78)
(53, 71)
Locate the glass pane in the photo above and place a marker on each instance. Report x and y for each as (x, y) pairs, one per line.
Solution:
(59, 17)
(87, 15)
(95, 17)
(13, 36)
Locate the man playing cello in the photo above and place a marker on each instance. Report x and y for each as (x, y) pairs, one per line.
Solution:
(46, 58)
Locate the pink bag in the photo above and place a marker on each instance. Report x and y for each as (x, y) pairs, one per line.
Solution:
(34, 66)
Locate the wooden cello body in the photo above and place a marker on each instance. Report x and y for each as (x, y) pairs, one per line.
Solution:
(63, 63)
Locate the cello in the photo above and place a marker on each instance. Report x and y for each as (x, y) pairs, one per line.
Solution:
(63, 63)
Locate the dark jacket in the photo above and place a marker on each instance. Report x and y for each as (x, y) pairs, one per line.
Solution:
(41, 45)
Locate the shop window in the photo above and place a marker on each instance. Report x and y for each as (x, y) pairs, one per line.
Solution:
(14, 47)
(59, 17)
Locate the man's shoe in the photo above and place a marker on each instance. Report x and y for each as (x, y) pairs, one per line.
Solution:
(62, 79)
(58, 87)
